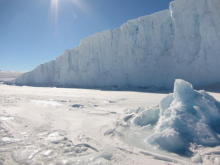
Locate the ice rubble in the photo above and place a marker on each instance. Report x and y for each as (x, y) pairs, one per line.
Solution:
(182, 118)
(182, 42)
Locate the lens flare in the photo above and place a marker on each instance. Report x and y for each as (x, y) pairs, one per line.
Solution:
(74, 15)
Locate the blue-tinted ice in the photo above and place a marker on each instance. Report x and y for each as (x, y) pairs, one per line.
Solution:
(184, 117)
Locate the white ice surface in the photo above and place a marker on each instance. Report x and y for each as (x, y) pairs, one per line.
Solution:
(89, 135)
(45, 134)
(182, 42)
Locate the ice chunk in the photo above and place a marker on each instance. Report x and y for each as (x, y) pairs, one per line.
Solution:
(149, 116)
(165, 103)
(48, 152)
(23, 155)
(55, 137)
(168, 140)
(186, 116)
(183, 91)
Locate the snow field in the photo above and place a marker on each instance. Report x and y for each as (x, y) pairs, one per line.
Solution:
(67, 126)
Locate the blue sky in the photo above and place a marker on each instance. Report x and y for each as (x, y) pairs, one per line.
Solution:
(33, 32)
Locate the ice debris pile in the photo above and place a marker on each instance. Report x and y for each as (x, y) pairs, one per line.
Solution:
(152, 50)
(182, 118)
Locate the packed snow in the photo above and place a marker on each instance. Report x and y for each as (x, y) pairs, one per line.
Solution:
(150, 51)
(64, 126)
(61, 126)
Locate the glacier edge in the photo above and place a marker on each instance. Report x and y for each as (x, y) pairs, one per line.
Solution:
(181, 42)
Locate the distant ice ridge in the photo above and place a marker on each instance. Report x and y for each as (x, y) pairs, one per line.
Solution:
(182, 118)
(182, 42)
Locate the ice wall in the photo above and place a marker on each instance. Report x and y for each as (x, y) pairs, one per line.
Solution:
(182, 42)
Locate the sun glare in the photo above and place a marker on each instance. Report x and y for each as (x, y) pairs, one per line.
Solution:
(71, 7)
(53, 14)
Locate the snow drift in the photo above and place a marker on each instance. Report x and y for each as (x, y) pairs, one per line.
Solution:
(182, 118)
(182, 42)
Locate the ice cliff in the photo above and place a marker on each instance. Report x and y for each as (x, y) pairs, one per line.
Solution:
(182, 42)
(182, 118)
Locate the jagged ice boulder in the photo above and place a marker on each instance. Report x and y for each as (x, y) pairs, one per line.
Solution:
(184, 117)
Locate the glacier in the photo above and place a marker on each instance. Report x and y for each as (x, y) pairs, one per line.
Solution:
(182, 42)
(183, 118)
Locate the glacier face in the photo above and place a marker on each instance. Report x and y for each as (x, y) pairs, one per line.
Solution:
(182, 42)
